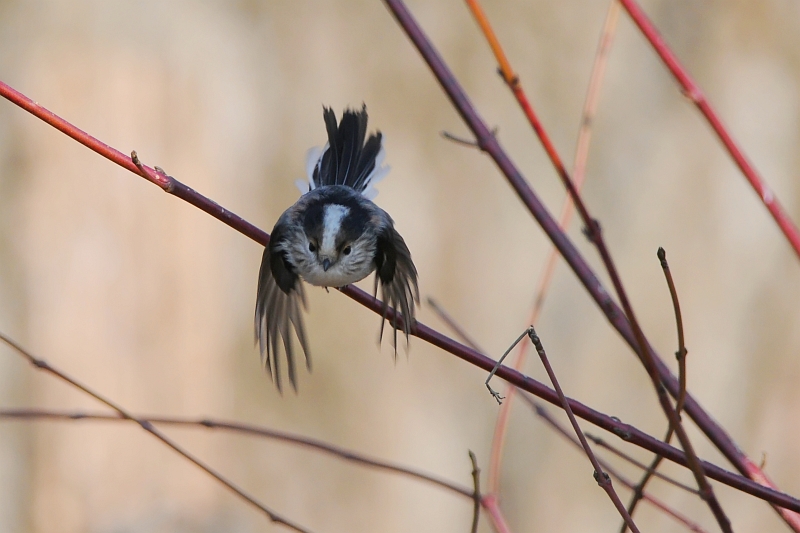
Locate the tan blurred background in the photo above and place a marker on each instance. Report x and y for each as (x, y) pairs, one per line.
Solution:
(150, 301)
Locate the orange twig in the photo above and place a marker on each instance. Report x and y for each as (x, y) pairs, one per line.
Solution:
(567, 210)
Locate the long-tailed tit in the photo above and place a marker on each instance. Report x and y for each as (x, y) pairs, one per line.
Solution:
(332, 236)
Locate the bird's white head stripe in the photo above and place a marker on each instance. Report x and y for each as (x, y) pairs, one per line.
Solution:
(331, 224)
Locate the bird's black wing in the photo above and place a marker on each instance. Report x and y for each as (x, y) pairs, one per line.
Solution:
(347, 159)
(278, 311)
(397, 275)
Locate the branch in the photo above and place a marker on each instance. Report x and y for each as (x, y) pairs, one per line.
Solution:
(247, 429)
(427, 334)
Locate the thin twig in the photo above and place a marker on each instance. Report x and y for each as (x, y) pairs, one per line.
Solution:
(499, 363)
(248, 429)
(476, 480)
(599, 474)
(460, 140)
(41, 364)
(681, 356)
(682, 352)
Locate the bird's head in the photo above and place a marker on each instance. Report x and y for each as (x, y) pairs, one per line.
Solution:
(338, 249)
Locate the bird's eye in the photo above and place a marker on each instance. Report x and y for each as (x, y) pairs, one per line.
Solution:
(312, 247)
(347, 250)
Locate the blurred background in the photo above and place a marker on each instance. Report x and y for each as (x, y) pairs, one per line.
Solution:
(150, 301)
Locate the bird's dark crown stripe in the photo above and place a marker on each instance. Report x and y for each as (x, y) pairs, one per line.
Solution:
(352, 225)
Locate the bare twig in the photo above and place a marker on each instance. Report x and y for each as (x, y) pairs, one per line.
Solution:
(681, 356)
(476, 480)
(499, 363)
(599, 474)
(460, 140)
(41, 364)
(248, 429)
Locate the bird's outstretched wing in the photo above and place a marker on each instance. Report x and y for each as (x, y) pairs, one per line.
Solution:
(278, 311)
(397, 275)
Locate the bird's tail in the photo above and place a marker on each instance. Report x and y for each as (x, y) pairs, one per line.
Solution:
(347, 159)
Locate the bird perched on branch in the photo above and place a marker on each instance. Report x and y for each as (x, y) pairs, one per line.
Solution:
(332, 236)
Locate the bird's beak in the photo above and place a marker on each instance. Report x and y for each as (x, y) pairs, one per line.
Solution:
(326, 264)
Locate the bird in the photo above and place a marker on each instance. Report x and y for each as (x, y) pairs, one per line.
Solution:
(334, 235)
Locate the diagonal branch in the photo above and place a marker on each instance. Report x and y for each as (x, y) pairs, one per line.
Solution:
(695, 94)
(544, 415)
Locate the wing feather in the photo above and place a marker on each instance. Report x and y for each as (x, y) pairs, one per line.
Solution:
(397, 276)
(277, 313)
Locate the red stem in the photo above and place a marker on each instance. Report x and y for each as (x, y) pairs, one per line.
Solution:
(695, 94)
